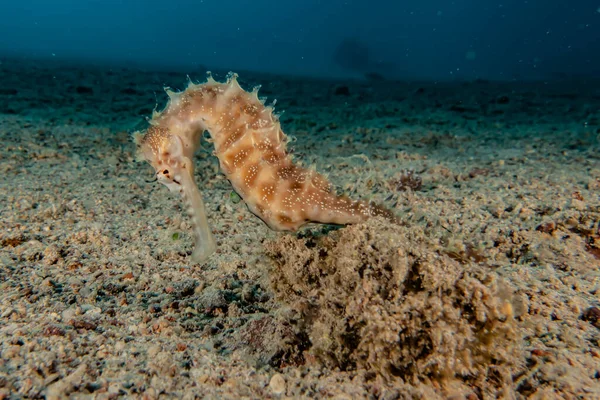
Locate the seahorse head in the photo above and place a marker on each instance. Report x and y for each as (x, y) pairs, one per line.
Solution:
(166, 153)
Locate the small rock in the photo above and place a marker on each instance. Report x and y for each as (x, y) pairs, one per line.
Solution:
(69, 314)
(540, 353)
(82, 324)
(578, 204)
(478, 171)
(93, 311)
(592, 315)
(51, 255)
(342, 91)
(7, 313)
(150, 394)
(154, 308)
(60, 389)
(53, 330)
(546, 227)
(153, 351)
(51, 379)
(277, 384)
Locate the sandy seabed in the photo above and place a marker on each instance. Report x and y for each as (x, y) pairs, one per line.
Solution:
(488, 287)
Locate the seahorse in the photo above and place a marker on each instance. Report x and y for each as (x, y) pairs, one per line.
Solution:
(252, 152)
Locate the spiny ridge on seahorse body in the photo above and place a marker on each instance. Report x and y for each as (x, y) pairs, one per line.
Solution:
(251, 148)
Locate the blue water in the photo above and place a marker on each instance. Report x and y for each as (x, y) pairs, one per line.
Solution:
(433, 39)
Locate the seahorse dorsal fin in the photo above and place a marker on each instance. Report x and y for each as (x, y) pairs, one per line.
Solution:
(209, 78)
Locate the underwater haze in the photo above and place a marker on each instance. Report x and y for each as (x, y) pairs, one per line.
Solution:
(384, 200)
(414, 39)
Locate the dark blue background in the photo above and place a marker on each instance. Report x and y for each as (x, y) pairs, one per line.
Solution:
(467, 39)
